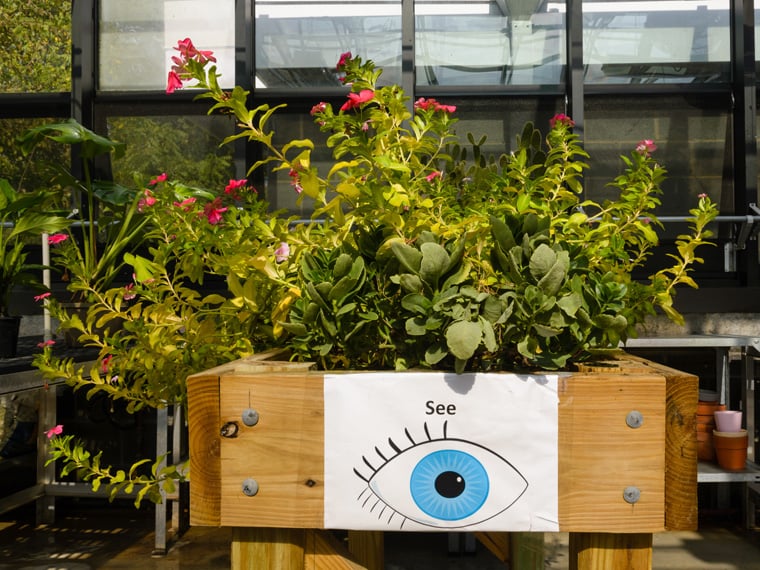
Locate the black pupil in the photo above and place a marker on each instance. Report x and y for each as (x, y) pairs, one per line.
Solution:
(449, 484)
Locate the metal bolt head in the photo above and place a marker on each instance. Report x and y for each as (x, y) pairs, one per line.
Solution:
(631, 494)
(250, 487)
(250, 417)
(634, 419)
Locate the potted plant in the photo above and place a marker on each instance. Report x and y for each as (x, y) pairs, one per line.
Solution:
(416, 257)
(20, 222)
(105, 216)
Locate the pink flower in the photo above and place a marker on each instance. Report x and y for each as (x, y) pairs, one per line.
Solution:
(433, 105)
(318, 108)
(42, 296)
(129, 293)
(433, 175)
(146, 202)
(57, 430)
(562, 120)
(106, 363)
(702, 195)
(365, 125)
(173, 82)
(646, 147)
(356, 99)
(294, 180)
(235, 185)
(282, 252)
(45, 343)
(57, 238)
(213, 211)
(185, 204)
(160, 178)
(344, 57)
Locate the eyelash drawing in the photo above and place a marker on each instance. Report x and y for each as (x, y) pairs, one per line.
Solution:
(445, 482)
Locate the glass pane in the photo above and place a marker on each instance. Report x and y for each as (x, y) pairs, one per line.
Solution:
(481, 42)
(656, 41)
(186, 148)
(35, 46)
(691, 144)
(23, 172)
(137, 39)
(299, 42)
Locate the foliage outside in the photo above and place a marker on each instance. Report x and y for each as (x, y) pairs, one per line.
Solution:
(423, 253)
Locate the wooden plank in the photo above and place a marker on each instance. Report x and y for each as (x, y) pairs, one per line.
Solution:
(283, 452)
(325, 552)
(601, 551)
(681, 399)
(259, 548)
(600, 455)
(368, 548)
(203, 442)
(496, 542)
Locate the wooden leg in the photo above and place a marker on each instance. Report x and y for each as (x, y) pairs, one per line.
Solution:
(367, 548)
(259, 548)
(600, 551)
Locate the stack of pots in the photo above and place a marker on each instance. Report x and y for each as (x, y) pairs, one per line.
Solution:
(730, 440)
(706, 408)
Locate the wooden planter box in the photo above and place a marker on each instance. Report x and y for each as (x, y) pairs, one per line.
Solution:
(627, 462)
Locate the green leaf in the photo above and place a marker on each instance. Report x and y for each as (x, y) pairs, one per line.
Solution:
(463, 338)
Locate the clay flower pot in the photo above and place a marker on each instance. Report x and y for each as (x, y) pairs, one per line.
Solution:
(728, 420)
(705, 425)
(731, 449)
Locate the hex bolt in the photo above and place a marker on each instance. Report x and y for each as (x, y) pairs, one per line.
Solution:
(634, 419)
(250, 487)
(250, 417)
(229, 429)
(631, 494)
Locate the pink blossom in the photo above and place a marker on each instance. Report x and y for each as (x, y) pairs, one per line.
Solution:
(561, 119)
(646, 147)
(294, 180)
(188, 51)
(433, 175)
(185, 204)
(433, 105)
(356, 99)
(318, 108)
(57, 430)
(365, 125)
(344, 58)
(42, 296)
(45, 343)
(160, 178)
(213, 211)
(235, 185)
(173, 82)
(282, 253)
(702, 195)
(57, 238)
(129, 293)
(106, 363)
(146, 202)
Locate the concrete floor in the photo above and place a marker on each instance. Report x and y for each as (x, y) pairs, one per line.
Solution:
(98, 535)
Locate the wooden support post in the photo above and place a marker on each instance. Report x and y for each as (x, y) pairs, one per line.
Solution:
(601, 551)
(258, 548)
(367, 548)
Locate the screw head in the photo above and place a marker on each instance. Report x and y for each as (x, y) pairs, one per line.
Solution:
(631, 494)
(250, 487)
(250, 417)
(634, 419)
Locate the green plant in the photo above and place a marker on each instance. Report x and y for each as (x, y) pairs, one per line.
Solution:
(105, 215)
(20, 221)
(417, 256)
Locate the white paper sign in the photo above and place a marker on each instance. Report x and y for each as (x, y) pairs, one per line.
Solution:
(439, 451)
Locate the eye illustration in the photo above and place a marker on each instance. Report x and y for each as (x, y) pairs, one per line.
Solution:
(438, 482)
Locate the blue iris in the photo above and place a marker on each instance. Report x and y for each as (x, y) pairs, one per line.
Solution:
(449, 485)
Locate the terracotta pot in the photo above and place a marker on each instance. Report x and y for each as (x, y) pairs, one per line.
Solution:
(705, 426)
(731, 449)
(705, 447)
